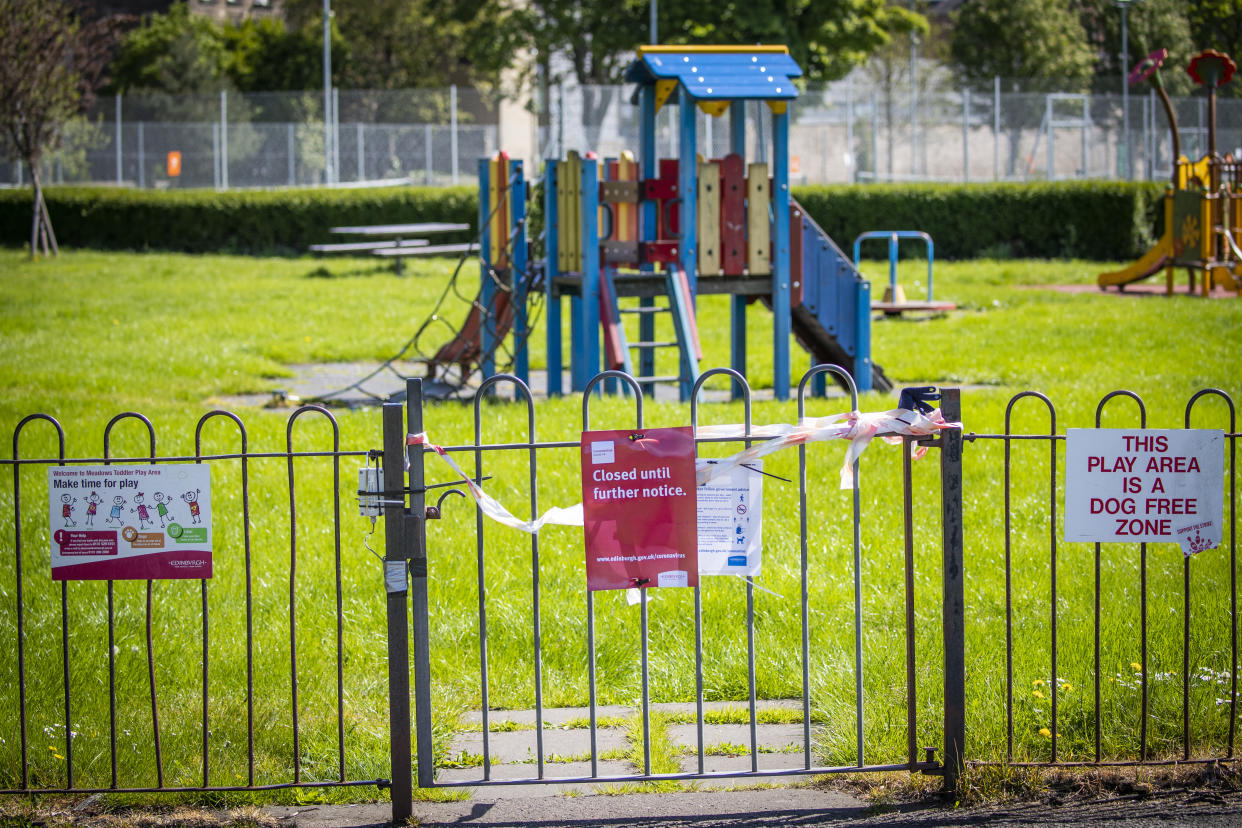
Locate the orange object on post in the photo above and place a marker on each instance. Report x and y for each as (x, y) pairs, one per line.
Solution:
(174, 164)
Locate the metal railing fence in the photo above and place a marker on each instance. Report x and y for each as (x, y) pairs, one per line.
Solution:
(161, 686)
(258, 679)
(1104, 624)
(431, 563)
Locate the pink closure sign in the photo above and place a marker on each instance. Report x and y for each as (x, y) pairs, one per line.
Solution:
(640, 508)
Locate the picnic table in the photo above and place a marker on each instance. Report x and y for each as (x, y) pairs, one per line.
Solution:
(398, 244)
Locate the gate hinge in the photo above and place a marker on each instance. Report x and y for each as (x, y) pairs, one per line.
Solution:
(930, 766)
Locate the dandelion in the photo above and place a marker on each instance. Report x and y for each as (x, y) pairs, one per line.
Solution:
(1037, 683)
(1137, 667)
(1045, 732)
(1037, 694)
(58, 756)
(1067, 687)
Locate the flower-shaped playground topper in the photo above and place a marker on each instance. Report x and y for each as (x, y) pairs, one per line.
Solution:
(1211, 68)
(1147, 67)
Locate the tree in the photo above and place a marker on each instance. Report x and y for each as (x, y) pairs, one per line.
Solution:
(1217, 24)
(1033, 45)
(51, 60)
(1151, 24)
(1038, 41)
(176, 53)
(890, 69)
(400, 44)
(826, 39)
(268, 57)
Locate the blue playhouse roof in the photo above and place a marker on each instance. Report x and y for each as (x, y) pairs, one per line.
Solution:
(720, 72)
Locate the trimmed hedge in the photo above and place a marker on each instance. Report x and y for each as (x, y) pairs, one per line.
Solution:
(235, 221)
(1100, 220)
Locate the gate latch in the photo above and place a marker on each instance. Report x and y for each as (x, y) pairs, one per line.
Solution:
(434, 512)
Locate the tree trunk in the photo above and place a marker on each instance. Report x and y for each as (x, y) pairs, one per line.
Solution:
(41, 234)
(36, 215)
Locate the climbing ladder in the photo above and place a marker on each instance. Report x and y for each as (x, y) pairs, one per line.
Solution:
(593, 242)
(679, 308)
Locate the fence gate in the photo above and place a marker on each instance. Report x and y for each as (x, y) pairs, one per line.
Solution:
(410, 504)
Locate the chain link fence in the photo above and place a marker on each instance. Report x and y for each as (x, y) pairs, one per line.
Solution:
(860, 129)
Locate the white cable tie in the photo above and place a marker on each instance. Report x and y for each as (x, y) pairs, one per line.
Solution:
(751, 581)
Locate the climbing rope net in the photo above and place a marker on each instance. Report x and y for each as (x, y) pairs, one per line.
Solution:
(454, 363)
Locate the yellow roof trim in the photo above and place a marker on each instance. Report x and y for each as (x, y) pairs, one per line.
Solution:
(718, 50)
(663, 90)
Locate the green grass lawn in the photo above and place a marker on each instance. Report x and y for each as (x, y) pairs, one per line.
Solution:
(90, 335)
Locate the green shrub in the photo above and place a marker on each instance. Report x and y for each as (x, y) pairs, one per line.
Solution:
(1101, 220)
(236, 221)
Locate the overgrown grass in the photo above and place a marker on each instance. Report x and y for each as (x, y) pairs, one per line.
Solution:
(89, 335)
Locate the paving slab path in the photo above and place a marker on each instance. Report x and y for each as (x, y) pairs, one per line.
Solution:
(772, 807)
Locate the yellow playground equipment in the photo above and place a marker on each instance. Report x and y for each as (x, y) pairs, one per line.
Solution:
(1202, 208)
(1202, 230)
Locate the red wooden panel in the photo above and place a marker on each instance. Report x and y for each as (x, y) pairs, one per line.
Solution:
(661, 251)
(733, 215)
(795, 255)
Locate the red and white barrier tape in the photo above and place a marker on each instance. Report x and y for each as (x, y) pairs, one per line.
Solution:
(491, 507)
(855, 426)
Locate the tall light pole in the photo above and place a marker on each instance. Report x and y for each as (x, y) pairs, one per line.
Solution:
(914, 100)
(1125, 88)
(327, 91)
(655, 8)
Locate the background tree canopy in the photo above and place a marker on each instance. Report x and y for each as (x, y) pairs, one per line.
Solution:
(389, 44)
(1041, 41)
(826, 39)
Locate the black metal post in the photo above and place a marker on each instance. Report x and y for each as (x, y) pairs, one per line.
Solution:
(954, 591)
(396, 569)
(416, 527)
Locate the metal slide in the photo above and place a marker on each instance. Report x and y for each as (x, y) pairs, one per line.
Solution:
(830, 314)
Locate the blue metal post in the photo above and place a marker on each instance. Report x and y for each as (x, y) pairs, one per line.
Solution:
(589, 313)
(892, 268)
(862, 326)
(737, 306)
(487, 289)
(688, 192)
(552, 302)
(517, 271)
(688, 189)
(781, 325)
(931, 257)
(648, 163)
(612, 385)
